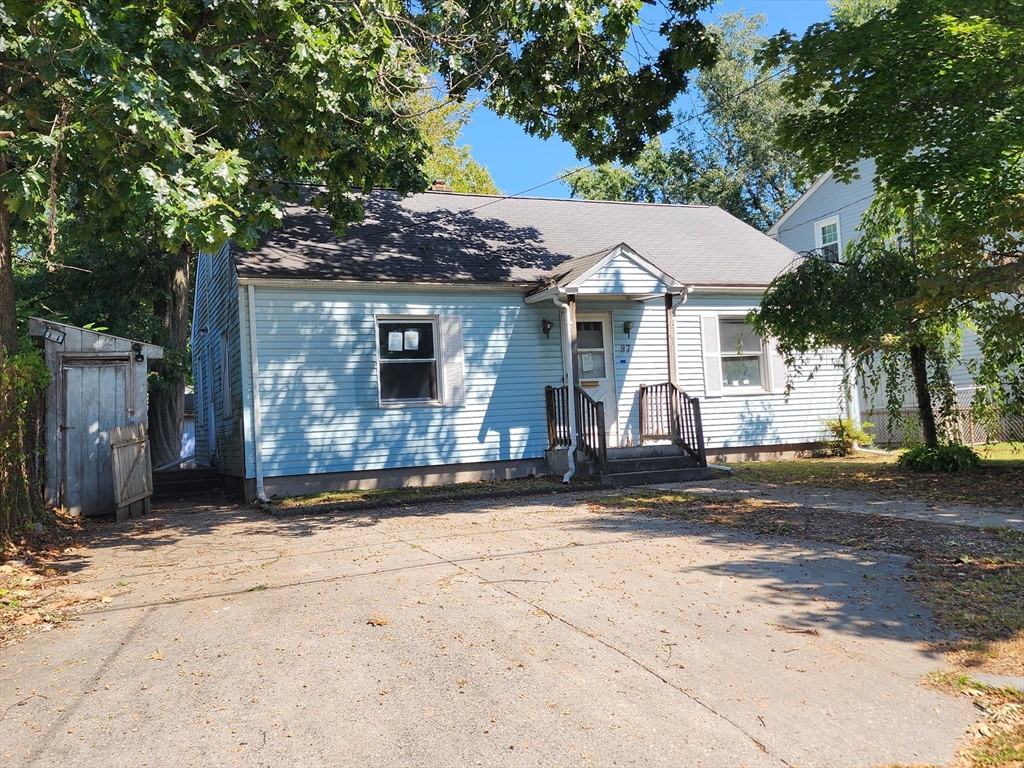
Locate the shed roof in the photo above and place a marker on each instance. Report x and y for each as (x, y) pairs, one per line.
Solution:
(461, 238)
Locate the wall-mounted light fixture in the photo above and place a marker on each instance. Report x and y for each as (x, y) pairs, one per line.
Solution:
(56, 335)
(546, 326)
(627, 327)
(137, 349)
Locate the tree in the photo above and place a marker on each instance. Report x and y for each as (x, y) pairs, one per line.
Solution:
(725, 154)
(868, 307)
(199, 120)
(933, 91)
(441, 124)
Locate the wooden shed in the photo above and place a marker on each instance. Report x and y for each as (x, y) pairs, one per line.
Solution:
(98, 384)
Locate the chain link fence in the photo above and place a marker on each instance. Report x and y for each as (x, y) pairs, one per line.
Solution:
(966, 427)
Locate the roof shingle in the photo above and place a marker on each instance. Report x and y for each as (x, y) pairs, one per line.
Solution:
(458, 238)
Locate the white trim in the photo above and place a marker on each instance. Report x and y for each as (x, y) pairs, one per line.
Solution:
(379, 285)
(639, 261)
(256, 425)
(438, 373)
(819, 225)
(773, 230)
(754, 289)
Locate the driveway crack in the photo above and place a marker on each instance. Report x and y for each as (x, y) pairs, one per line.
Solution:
(499, 585)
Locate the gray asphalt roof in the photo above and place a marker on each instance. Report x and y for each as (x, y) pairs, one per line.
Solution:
(451, 237)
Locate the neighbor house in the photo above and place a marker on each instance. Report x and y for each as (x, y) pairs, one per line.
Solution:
(823, 222)
(445, 336)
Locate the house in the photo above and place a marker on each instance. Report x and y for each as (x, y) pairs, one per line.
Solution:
(824, 221)
(440, 338)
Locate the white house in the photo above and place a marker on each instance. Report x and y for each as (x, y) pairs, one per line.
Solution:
(441, 338)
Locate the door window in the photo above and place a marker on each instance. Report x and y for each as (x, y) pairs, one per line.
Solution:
(590, 349)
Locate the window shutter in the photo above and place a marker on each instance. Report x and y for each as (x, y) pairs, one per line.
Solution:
(453, 365)
(778, 366)
(712, 359)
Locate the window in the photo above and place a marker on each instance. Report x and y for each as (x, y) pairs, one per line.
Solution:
(737, 360)
(827, 238)
(407, 361)
(741, 355)
(225, 376)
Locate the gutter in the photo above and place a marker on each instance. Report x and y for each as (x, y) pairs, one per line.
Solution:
(257, 450)
(567, 362)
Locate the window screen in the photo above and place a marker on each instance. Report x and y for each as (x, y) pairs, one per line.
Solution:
(741, 354)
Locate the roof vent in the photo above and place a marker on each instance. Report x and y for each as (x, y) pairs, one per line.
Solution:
(440, 185)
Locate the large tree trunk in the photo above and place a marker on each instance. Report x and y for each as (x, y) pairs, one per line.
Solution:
(8, 319)
(167, 401)
(919, 367)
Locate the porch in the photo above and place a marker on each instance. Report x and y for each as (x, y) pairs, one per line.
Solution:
(618, 327)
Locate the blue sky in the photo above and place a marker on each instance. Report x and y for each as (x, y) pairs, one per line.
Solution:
(517, 161)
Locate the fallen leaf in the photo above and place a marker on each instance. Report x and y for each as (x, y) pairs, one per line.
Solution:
(27, 619)
(377, 621)
(156, 656)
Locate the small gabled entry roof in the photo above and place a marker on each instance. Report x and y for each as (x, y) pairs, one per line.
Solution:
(617, 272)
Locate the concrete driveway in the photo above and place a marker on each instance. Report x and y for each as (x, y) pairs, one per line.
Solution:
(528, 632)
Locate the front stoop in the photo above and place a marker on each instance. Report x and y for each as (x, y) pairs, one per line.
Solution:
(644, 465)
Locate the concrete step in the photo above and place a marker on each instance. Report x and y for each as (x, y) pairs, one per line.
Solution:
(618, 466)
(626, 479)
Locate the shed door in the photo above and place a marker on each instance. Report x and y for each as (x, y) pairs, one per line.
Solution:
(95, 400)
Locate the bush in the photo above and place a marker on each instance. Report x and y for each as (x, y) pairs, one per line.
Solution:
(841, 434)
(23, 379)
(951, 457)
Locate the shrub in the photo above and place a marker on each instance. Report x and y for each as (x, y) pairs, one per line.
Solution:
(841, 434)
(950, 457)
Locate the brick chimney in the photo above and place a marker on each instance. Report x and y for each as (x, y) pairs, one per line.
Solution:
(440, 185)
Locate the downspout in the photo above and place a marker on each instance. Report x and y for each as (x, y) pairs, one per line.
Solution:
(257, 451)
(567, 372)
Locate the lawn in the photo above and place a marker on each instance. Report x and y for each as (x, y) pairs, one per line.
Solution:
(999, 481)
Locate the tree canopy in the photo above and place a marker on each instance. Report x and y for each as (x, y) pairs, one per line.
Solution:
(933, 91)
(725, 153)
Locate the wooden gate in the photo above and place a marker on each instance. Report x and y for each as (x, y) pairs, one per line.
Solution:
(133, 471)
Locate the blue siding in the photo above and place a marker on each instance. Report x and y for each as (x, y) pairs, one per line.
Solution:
(318, 381)
(767, 418)
(623, 276)
(215, 312)
(833, 198)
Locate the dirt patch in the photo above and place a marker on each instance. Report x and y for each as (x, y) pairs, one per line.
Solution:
(34, 574)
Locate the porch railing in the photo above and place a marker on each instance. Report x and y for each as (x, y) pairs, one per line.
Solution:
(668, 413)
(557, 401)
(591, 432)
(590, 427)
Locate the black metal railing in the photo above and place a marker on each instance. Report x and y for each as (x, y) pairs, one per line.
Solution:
(590, 428)
(557, 401)
(668, 413)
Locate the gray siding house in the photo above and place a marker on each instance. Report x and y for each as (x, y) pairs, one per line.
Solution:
(444, 337)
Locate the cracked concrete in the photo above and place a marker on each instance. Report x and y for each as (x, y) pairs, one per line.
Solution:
(526, 632)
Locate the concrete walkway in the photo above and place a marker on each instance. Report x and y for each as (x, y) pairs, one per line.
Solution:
(865, 503)
(537, 631)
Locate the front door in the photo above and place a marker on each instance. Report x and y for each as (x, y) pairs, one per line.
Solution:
(595, 365)
(95, 400)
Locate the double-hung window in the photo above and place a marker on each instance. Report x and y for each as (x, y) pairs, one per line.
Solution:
(826, 235)
(737, 360)
(407, 360)
(742, 354)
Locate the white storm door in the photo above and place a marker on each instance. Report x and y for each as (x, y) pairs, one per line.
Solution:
(596, 366)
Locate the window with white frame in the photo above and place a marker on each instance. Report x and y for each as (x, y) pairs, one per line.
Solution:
(737, 360)
(742, 354)
(407, 360)
(826, 234)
